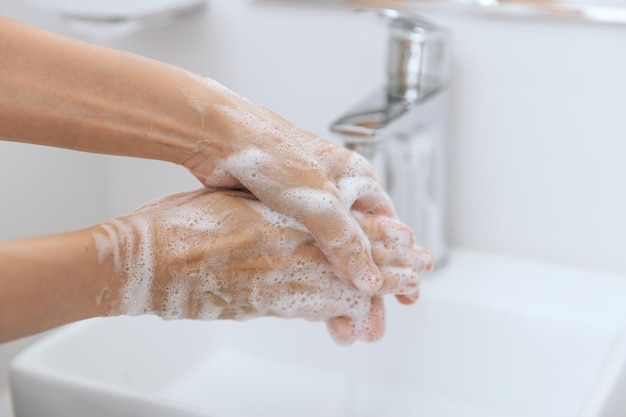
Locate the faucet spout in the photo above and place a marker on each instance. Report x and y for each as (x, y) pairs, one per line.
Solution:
(402, 128)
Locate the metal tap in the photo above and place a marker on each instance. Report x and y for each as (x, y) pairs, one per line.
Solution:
(402, 127)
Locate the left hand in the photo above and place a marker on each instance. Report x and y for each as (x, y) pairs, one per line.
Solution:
(224, 255)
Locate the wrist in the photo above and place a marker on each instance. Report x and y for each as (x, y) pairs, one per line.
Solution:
(50, 281)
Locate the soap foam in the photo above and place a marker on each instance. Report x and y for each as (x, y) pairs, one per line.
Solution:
(278, 272)
(139, 266)
(275, 268)
(308, 180)
(107, 244)
(319, 208)
(279, 163)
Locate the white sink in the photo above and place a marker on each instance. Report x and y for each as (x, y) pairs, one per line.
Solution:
(492, 336)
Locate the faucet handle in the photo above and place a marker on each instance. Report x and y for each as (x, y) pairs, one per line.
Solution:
(417, 62)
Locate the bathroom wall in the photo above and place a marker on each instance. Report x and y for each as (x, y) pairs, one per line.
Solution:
(537, 144)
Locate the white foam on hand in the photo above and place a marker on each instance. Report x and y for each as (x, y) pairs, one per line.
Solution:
(225, 255)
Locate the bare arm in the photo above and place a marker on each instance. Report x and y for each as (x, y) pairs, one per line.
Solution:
(49, 281)
(62, 92)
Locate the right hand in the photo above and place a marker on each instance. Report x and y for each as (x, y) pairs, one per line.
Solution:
(295, 173)
(225, 255)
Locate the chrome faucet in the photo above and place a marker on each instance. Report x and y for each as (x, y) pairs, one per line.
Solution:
(402, 128)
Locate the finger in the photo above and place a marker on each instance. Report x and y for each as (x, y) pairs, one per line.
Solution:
(408, 299)
(365, 195)
(415, 257)
(361, 189)
(400, 261)
(399, 281)
(217, 177)
(405, 279)
(342, 330)
(339, 237)
(389, 231)
(372, 328)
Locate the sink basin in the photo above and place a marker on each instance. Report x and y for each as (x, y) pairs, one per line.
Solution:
(492, 336)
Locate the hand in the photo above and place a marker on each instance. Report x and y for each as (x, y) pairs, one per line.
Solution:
(225, 255)
(298, 174)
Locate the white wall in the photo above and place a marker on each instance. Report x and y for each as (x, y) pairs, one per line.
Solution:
(538, 156)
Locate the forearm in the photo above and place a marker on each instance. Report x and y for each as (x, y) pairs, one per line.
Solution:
(49, 281)
(62, 92)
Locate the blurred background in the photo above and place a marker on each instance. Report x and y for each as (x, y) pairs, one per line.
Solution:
(537, 162)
